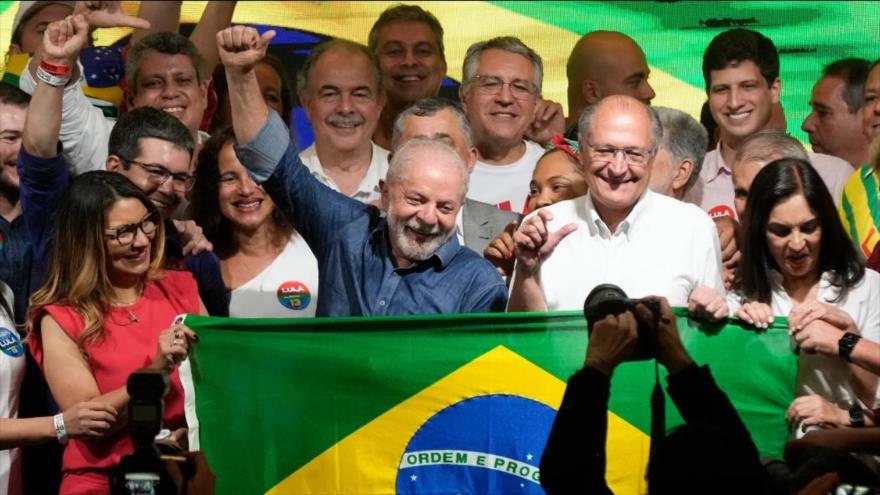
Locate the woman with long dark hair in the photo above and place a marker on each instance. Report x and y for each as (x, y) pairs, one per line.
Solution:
(797, 261)
(106, 310)
(267, 267)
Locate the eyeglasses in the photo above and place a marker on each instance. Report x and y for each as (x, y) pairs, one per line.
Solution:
(632, 156)
(491, 85)
(125, 234)
(160, 175)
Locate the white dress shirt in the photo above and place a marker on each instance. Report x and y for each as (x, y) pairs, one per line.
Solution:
(664, 247)
(368, 190)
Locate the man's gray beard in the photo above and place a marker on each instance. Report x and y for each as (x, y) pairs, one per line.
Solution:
(407, 247)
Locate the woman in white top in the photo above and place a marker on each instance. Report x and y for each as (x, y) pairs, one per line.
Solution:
(797, 261)
(86, 419)
(267, 267)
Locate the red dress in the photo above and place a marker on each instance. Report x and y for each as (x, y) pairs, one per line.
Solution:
(127, 346)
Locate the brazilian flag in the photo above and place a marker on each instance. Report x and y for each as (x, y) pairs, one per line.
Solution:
(439, 404)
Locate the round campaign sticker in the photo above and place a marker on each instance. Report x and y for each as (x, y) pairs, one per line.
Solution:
(722, 211)
(294, 295)
(10, 344)
(2, 240)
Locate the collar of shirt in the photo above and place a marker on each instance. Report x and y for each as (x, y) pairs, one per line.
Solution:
(459, 225)
(599, 227)
(827, 291)
(380, 235)
(715, 168)
(369, 185)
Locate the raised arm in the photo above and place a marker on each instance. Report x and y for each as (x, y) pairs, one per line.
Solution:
(216, 17)
(97, 15)
(162, 16)
(240, 49)
(84, 129)
(62, 43)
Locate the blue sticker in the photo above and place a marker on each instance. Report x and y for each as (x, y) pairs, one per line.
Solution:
(10, 344)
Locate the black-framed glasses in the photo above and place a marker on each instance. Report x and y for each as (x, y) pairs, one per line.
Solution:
(125, 234)
(631, 155)
(491, 85)
(160, 175)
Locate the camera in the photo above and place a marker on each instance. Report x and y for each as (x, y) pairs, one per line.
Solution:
(609, 299)
(143, 472)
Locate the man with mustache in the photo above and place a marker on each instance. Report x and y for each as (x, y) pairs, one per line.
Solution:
(340, 88)
(409, 262)
(408, 44)
(620, 232)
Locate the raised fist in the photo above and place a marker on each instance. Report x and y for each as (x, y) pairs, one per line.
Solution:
(63, 40)
(241, 47)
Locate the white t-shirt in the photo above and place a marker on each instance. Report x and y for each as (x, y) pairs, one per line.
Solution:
(828, 376)
(84, 130)
(287, 288)
(664, 247)
(505, 186)
(12, 361)
(368, 190)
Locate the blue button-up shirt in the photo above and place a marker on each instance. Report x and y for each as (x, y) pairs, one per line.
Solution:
(16, 265)
(357, 273)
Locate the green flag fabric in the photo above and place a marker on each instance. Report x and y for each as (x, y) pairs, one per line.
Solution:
(439, 404)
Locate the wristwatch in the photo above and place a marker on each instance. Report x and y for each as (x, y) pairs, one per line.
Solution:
(846, 343)
(856, 417)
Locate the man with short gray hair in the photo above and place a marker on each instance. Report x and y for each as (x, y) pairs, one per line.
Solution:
(754, 153)
(340, 88)
(620, 232)
(406, 262)
(500, 92)
(680, 155)
(477, 223)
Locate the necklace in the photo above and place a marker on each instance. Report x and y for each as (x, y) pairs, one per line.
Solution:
(125, 304)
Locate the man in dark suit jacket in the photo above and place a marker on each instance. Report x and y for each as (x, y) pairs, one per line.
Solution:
(436, 118)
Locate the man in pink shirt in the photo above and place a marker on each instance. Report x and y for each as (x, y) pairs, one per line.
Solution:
(741, 71)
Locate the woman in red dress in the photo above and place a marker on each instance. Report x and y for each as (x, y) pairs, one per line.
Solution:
(105, 311)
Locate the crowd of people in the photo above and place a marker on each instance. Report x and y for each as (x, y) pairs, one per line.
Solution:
(196, 200)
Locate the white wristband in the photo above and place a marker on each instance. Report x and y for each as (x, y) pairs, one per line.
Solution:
(51, 79)
(60, 430)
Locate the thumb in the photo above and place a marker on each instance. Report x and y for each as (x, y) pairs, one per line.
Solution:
(80, 23)
(266, 37)
(558, 236)
(510, 228)
(566, 229)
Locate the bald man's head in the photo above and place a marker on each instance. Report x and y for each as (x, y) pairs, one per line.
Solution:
(605, 63)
